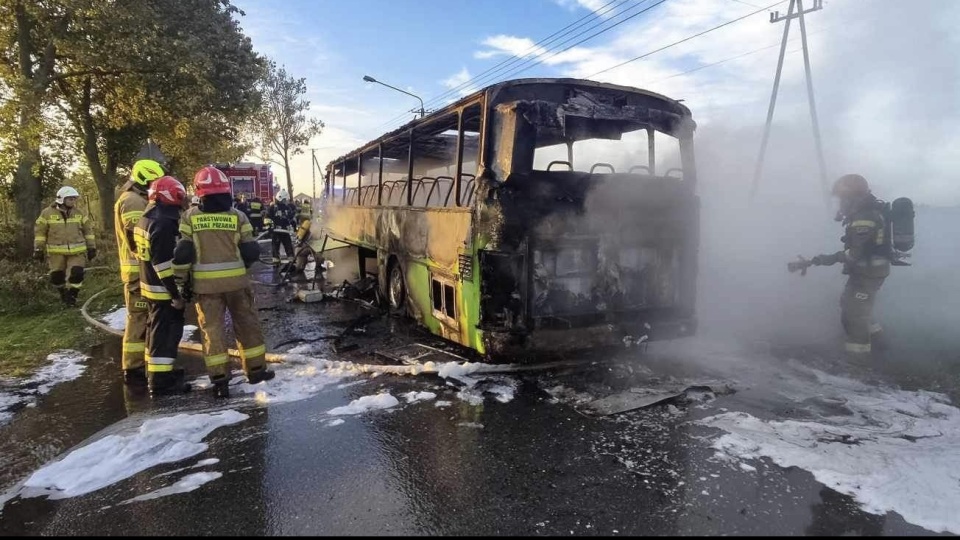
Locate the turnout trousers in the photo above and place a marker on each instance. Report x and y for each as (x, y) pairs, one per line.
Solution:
(856, 311)
(278, 238)
(135, 332)
(164, 331)
(66, 270)
(211, 313)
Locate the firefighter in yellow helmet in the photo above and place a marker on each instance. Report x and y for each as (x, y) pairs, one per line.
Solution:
(127, 212)
(216, 247)
(65, 235)
(865, 257)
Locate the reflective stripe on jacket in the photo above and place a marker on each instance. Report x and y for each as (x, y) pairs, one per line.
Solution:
(217, 236)
(864, 243)
(156, 237)
(63, 231)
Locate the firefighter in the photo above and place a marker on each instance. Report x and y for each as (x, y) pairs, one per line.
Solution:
(305, 210)
(865, 258)
(65, 235)
(217, 242)
(126, 214)
(240, 203)
(255, 212)
(283, 218)
(156, 238)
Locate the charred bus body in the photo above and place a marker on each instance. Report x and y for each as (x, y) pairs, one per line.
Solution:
(535, 216)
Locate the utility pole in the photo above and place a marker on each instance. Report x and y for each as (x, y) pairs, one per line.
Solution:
(775, 18)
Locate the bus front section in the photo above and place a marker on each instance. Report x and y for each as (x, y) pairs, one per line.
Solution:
(588, 229)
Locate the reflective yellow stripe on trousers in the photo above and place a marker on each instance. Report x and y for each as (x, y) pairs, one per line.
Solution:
(158, 364)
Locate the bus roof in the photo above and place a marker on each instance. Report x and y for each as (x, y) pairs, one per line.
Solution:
(495, 90)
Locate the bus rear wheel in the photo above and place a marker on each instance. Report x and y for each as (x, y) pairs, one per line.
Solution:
(396, 288)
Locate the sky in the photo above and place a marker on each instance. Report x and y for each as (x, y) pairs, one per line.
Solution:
(884, 71)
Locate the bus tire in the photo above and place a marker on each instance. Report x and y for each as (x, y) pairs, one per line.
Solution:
(396, 288)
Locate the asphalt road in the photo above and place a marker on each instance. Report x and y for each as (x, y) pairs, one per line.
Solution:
(531, 462)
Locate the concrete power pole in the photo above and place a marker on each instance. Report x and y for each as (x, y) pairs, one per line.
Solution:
(775, 18)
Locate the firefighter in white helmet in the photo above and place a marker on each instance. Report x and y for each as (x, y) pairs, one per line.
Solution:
(283, 218)
(65, 235)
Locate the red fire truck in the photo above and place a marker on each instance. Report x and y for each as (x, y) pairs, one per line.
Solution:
(252, 179)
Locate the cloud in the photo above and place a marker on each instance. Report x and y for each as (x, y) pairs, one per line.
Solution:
(456, 79)
(504, 45)
(885, 81)
(590, 5)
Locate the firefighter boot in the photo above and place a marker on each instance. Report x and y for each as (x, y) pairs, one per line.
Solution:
(64, 294)
(260, 375)
(70, 296)
(167, 382)
(221, 387)
(135, 377)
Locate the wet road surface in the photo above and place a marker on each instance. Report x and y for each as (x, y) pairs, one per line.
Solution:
(461, 463)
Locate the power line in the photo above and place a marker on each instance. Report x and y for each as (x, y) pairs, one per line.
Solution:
(675, 43)
(521, 69)
(488, 74)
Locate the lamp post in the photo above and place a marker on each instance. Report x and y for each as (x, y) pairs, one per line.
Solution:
(371, 79)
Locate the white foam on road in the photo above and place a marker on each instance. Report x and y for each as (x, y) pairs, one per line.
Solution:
(63, 365)
(184, 485)
(897, 452)
(413, 397)
(296, 379)
(366, 403)
(116, 319)
(116, 457)
(188, 331)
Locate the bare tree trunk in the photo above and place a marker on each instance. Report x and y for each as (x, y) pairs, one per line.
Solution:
(103, 177)
(286, 168)
(26, 186)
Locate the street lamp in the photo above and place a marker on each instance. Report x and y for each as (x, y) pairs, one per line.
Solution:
(368, 78)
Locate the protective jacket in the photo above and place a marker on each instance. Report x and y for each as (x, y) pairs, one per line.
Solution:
(63, 231)
(255, 208)
(866, 252)
(126, 214)
(283, 215)
(222, 246)
(156, 238)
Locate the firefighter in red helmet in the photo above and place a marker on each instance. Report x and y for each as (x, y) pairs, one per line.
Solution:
(217, 246)
(156, 236)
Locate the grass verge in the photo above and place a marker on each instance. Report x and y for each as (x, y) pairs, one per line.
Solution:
(35, 323)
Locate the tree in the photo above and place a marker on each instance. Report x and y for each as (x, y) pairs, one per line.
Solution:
(30, 31)
(198, 82)
(281, 125)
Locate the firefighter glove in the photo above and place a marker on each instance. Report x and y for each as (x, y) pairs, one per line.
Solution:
(38, 254)
(91, 253)
(800, 265)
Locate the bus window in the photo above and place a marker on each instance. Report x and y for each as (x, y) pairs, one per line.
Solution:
(396, 155)
(471, 153)
(628, 154)
(369, 177)
(434, 154)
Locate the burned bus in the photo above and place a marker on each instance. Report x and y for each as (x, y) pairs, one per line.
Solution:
(536, 215)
